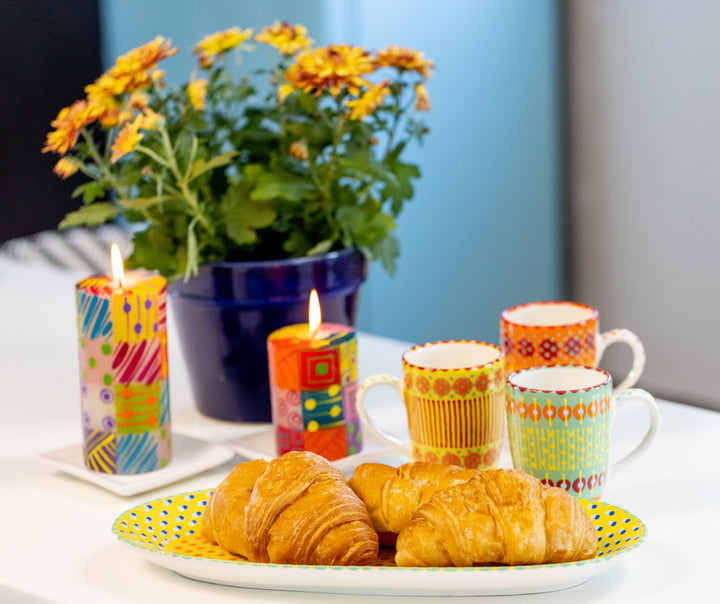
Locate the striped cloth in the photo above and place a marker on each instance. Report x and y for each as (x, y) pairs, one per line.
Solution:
(86, 250)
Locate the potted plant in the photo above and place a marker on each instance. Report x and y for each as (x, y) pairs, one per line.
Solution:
(297, 163)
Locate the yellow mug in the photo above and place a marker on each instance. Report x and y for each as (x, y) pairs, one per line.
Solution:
(454, 395)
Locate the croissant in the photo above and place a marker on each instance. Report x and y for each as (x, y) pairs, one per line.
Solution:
(296, 509)
(392, 495)
(497, 517)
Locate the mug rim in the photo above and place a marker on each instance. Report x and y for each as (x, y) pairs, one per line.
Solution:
(500, 351)
(594, 314)
(606, 381)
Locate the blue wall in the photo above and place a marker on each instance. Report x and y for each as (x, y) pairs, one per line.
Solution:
(485, 228)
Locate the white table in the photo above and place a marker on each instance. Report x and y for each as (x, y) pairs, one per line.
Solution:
(56, 542)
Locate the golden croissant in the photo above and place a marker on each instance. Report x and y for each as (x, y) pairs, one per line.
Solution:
(296, 509)
(497, 517)
(392, 495)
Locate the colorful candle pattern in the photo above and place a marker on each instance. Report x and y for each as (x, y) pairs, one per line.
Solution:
(124, 374)
(313, 383)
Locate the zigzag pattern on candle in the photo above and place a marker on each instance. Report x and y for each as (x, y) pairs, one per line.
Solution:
(99, 451)
(94, 316)
(138, 362)
(137, 453)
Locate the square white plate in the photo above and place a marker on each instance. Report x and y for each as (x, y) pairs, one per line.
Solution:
(262, 444)
(190, 456)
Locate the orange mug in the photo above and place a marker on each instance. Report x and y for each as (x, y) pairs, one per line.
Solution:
(562, 333)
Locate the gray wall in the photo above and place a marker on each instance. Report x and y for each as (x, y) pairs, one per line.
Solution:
(483, 231)
(645, 159)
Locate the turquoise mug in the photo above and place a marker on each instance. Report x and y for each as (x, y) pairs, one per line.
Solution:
(559, 422)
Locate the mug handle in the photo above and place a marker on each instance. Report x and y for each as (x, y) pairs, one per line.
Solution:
(644, 397)
(638, 350)
(380, 379)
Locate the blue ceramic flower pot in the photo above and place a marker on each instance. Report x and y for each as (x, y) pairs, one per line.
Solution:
(225, 314)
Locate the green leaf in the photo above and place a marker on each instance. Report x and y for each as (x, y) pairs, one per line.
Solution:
(387, 251)
(89, 215)
(243, 216)
(155, 250)
(200, 166)
(90, 191)
(402, 188)
(321, 248)
(144, 203)
(367, 165)
(272, 185)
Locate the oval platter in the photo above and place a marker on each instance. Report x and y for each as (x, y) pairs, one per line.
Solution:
(166, 531)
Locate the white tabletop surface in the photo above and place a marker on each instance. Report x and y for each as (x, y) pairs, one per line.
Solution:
(57, 546)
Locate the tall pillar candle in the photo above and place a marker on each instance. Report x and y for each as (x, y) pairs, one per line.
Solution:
(313, 383)
(124, 373)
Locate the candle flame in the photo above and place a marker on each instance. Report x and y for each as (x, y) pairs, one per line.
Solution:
(314, 316)
(117, 265)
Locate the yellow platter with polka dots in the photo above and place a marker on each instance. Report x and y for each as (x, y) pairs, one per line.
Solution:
(166, 532)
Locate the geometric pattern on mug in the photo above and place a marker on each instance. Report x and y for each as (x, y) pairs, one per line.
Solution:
(286, 408)
(532, 345)
(137, 407)
(578, 409)
(99, 451)
(480, 457)
(454, 384)
(319, 368)
(322, 409)
(589, 486)
(460, 423)
(538, 449)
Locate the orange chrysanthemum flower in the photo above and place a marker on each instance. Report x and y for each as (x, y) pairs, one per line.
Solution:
(133, 71)
(299, 150)
(65, 167)
(368, 102)
(288, 39)
(216, 44)
(197, 90)
(422, 99)
(333, 67)
(127, 139)
(68, 124)
(404, 59)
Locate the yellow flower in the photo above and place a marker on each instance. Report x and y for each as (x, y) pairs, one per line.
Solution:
(368, 102)
(150, 120)
(197, 89)
(68, 124)
(218, 43)
(133, 71)
(127, 139)
(404, 59)
(65, 167)
(299, 150)
(422, 100)
(288, 39)
(332, 67)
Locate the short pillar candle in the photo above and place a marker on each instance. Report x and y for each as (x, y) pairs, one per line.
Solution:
(313, 384)
(122, 333)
